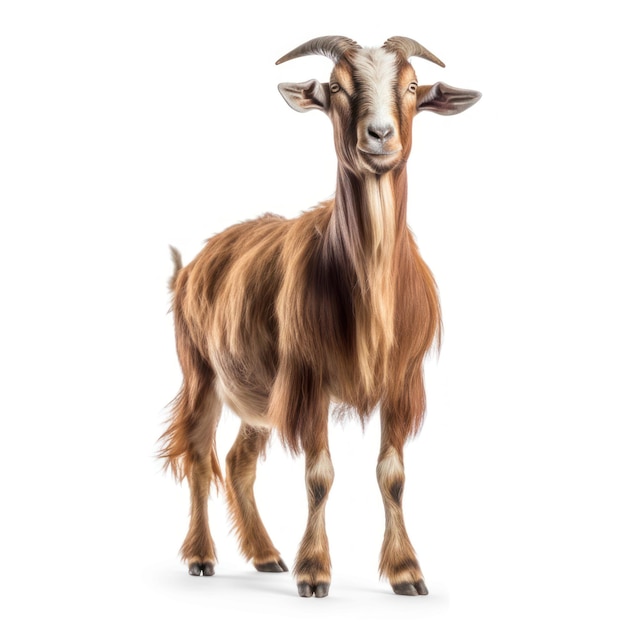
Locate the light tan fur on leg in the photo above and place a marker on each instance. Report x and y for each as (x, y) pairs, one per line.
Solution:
(313, 561)
(398, 562)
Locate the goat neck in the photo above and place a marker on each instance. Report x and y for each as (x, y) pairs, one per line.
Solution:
(364, 234)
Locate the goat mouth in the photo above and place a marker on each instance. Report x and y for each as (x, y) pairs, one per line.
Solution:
(380, 162)
(376, 153)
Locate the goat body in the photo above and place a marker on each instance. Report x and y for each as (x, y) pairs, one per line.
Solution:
(278, 318)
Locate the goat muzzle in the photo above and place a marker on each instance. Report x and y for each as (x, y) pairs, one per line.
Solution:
(378, 144)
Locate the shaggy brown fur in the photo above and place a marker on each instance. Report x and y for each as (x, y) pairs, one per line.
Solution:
(277, 318)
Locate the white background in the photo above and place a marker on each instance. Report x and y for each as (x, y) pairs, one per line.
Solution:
(127, 125)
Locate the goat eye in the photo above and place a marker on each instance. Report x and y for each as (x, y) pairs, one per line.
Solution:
(413, 88)
(334, 87)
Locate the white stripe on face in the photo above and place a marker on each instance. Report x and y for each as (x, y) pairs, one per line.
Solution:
(376, 71)
(378, 132)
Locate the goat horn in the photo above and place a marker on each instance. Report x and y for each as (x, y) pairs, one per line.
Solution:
(410, 48)
(333, 47)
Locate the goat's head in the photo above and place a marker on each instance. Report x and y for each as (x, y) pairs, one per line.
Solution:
(371, 98)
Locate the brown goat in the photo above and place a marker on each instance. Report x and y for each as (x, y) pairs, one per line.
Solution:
(278, 318)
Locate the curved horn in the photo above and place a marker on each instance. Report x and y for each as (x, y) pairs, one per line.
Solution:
(410, 48)
(333, 47)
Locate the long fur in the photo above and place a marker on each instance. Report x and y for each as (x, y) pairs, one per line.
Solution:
(277, 318)
(276, 309)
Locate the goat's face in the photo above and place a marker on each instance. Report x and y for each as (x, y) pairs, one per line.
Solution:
(371, 99)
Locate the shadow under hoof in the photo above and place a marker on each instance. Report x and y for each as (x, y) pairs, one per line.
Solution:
(201, 569)
(319, 591)
(272, 566)
(411, 589)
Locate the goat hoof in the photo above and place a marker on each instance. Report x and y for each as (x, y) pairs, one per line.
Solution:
(421, 588)
(411, 589)
(272, 566)
(201, 569)
(305, 590)
(321, 590)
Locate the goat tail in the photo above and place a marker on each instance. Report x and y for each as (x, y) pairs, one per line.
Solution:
(177, 259)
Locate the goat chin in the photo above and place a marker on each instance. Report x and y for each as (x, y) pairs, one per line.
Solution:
(380, 163)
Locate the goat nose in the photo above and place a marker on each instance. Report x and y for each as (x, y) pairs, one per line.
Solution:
(380, 132)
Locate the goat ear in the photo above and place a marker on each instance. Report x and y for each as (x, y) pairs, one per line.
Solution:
(445, 100)
(306, 96)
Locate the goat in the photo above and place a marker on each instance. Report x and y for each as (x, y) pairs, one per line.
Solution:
(277, 318)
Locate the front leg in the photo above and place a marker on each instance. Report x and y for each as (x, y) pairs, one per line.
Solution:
(398, 562)
(299, 408)
(313, 561)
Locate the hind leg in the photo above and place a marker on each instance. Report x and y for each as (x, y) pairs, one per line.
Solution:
(198, 549)
(241, 463)
(190, 452)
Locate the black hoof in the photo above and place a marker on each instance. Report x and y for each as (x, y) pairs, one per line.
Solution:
(201, 569)
(422, 590)
(272, 566)
(411, 589)
(319, 591)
